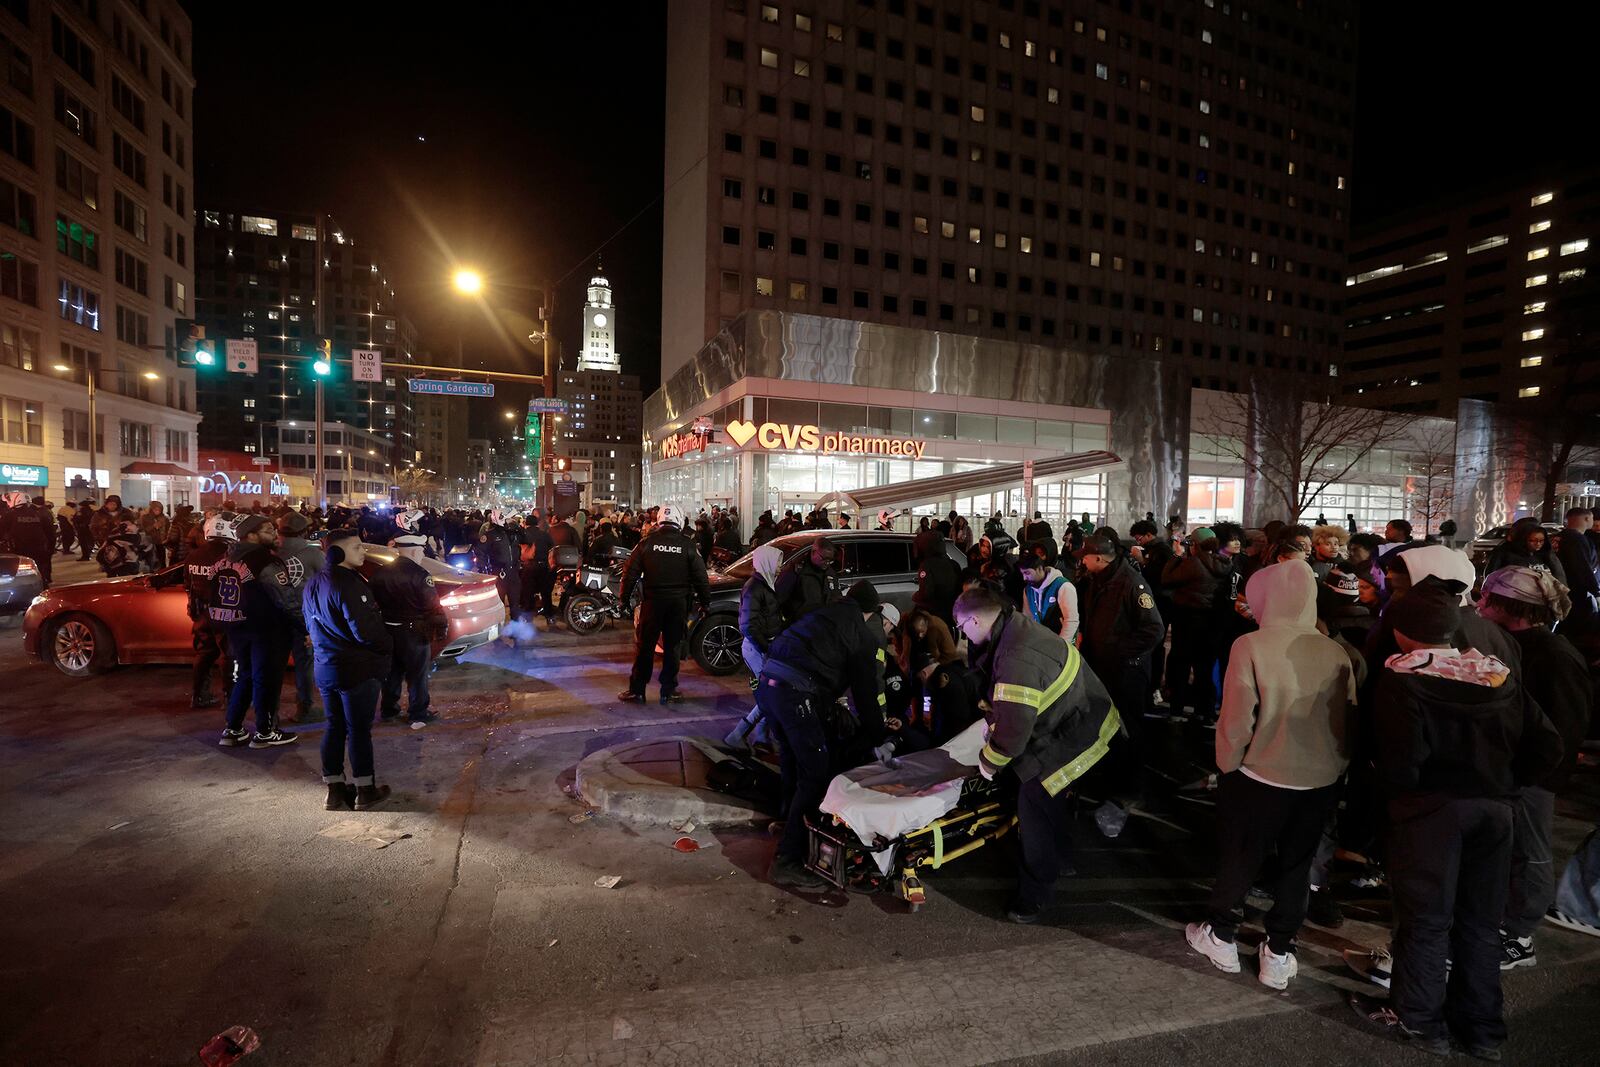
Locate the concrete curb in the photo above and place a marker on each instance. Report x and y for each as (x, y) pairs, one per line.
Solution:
(607, 782)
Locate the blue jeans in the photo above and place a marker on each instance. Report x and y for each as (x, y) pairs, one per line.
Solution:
(258, 662)
(411, 664)
(350, 713)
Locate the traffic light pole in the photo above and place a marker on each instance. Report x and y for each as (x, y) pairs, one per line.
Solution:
(319, 485)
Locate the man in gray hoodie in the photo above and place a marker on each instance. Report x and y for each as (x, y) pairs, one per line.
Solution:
(760, 620)
(1281, 748)
(286, 577)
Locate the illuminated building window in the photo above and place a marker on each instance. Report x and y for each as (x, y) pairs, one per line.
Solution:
(763, 286)
(1533, 334)
(1540, 226)
(1528, 391)
(1533, 361)
(1533, 308)
(1572, 247)
(1487, 243)
(1537, 279)
(1537, 253)
(1542, 198)
(769, 58)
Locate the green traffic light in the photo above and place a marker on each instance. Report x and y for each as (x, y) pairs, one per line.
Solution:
(204, 356)
(322, 368)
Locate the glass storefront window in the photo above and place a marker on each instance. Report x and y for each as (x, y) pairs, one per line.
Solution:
(1053, 434)
(935, 424)
(852, 417)
(1089, 437)
(788, 412)
(975, 428)
(1014, 431)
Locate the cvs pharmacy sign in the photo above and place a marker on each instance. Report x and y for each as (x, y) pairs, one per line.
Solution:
(778, 435)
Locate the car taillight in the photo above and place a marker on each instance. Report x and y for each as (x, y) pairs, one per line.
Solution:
(468, 596)
(26, 568)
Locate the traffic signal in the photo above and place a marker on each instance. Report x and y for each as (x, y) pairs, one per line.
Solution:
(193, 348)
(556, 464)
(322, 362)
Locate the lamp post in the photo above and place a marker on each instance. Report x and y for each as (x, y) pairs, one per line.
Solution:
(91, 371)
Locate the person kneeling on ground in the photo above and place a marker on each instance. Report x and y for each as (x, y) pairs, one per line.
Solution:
(829, 649)
(1050, 720)
(352, 651)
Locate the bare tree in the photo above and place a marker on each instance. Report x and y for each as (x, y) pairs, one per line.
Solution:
(1291, 436)
(417, 484)
(1431, 473)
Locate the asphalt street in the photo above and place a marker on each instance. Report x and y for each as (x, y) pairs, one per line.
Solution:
(158, 889)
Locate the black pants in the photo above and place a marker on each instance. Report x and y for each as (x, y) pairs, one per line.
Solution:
(1123, 775)
(410, 664)
(1449, 873)
(1043, 841)
(666, 620)
(803, 758)
(509, 581)
(42, 556)
(1194, 650)
(68, 537)
(259, 657)
(210, 647)
(1254, 818)
(85, 544)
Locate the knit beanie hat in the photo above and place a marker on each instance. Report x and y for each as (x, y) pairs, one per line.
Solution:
(865, 595)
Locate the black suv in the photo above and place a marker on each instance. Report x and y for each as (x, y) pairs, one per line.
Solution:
(885, 558)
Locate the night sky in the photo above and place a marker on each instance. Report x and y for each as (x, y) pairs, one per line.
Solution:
(541, 135)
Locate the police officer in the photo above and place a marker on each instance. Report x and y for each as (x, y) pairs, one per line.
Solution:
(499, 554)
(537, 575)
(410, 604)
(286, 577)
(1120, 629)
(828, 650)
(671, 569)
(258, 633)
(30, 527)
(210, 642)
(1049, 722)
(353, 649)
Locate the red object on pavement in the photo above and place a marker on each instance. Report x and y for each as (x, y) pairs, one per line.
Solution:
(686, 844)
(230, 1046)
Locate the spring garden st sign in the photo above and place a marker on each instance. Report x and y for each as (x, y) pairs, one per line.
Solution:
(778, 435)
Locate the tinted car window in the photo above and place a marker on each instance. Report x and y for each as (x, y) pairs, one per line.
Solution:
(870, 558)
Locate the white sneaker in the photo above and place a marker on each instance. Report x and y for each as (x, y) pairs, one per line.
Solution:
(1374, 966)
(1224, 955)
(1568, 922)
(1276, 970)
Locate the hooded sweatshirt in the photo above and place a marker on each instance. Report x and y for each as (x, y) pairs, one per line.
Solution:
(1287, 690)
(760, 616)
(1476, 631)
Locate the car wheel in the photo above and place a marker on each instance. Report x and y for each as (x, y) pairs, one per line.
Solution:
(584, 614)
(717, 646)
(80, 645)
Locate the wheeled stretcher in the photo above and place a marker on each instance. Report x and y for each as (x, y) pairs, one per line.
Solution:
(882, 825)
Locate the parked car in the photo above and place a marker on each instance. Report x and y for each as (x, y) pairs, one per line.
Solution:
(90, 627)
(19, 583)
(885, 558)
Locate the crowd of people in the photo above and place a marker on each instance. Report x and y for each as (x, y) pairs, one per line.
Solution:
(1371, 698)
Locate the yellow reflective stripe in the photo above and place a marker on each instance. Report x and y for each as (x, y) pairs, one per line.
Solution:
(993, 757)
(883, 701)
(938, 846)
(1088, 758)
(880, 655)
(1019, 694)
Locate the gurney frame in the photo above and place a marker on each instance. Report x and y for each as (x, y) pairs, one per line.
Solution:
(837, 854)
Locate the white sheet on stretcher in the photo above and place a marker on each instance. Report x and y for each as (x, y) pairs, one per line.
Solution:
(877, 801)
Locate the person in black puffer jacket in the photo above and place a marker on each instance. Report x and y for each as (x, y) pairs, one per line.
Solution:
(938, 577)
(353, 651)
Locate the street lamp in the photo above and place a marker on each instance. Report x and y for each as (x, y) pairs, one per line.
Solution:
(91, 371)
(468, 281)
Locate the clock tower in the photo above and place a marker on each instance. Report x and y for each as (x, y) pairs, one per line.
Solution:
(599, 350)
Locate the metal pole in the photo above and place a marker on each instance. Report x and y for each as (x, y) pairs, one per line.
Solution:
(547, 427)
(318, 483)
(91, 372)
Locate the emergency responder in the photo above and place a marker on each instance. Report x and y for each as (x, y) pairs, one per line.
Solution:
(807, 584)
(537, 575)
(671, 570)
(830, 649)
(410, 604)
(210, 642)
(1120, 629)
(258, 633)
(1050, 720)
(83, 526)
(30, 527)
(499, 553)
(353, 650)
(286, 578)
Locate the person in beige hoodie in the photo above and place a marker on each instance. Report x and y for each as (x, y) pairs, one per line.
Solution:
(1281, 749)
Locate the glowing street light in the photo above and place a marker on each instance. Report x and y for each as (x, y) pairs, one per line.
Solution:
(468, 281)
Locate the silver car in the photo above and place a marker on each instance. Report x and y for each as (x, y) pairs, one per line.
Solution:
(19, 583)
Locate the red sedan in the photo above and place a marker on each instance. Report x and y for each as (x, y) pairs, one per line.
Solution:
(90, 627)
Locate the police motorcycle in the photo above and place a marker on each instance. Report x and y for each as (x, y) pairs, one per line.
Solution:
(585, 593)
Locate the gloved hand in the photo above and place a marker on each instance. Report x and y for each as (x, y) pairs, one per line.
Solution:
(884, 752)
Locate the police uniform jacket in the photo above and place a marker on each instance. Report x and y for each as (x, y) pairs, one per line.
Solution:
(670, 567)
(1120, 619)
(829, 650)
(1049, 716)
(348, 639)
(407, 596)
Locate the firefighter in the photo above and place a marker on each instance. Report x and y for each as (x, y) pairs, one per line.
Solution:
(1050, 720)
(671, 570)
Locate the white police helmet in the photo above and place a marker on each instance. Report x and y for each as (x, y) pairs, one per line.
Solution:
(408, 520)
(886, 517)
(669, 513)
(222, 525)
